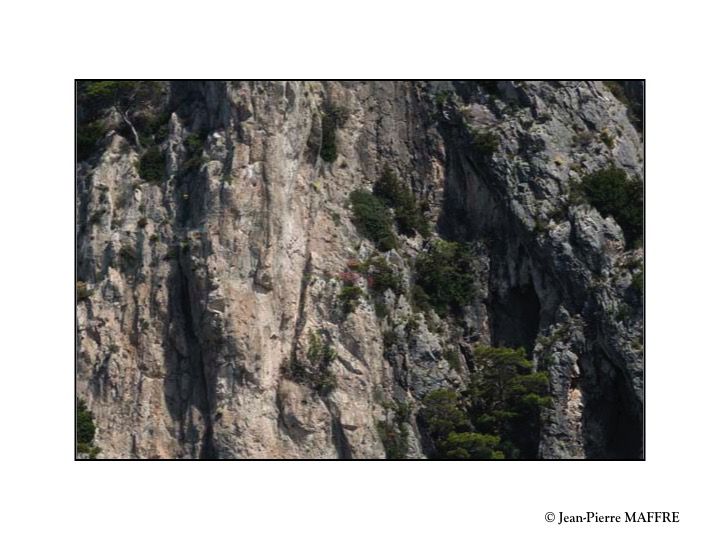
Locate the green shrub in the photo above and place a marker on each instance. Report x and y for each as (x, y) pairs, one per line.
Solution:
(87, 139)
(442, 414)
(472, 446)
(152, 165)
(446, 275)
(485, 143)
(381, 277)
(153, 128)
(453, 359)
(400, 197)
(94, 96)
(614, 194)
(420, 299)
(315, 370)
(101, 94)
(412, 325)
(85, 430)
(381, 310)
(372, 219)
(349, 298)
(441, 98)
(607, 139)
(85, 423)
(389, 339)
(194, 145)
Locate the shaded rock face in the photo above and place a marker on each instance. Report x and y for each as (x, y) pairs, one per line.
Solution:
(204, 288)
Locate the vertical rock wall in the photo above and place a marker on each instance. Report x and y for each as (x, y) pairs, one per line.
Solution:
(204, 286)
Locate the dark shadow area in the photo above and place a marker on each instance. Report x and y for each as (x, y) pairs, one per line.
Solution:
(515, 318)
(612, 419)
(185, 381)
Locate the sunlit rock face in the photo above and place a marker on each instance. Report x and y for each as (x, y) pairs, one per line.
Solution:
(206, 285)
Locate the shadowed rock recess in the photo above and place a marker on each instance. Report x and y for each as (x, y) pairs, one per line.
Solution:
(329, 269)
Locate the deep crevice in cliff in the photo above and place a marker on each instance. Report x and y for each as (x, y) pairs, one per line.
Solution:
(189, 380)
(186, 385)
(612, 420)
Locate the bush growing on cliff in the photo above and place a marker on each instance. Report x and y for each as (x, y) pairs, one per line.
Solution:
(445, 274)
(349, 297)
(97, 95)
(152, 165)
(485, 143)
(87, 139)
(400, 197)
(443, 414)
(472, 446)
(193, 151)
(315, 370)
(614, 194)
(381, 276)
(373, 219)
(85, 430)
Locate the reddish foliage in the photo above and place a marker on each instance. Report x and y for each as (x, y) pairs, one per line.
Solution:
(349, 278)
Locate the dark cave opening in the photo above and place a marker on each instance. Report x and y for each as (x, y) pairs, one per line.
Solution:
(613, 418)
(515, 318)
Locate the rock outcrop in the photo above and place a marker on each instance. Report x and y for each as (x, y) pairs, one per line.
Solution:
(202, 288)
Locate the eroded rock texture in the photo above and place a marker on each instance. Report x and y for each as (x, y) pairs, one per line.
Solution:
(202, 287)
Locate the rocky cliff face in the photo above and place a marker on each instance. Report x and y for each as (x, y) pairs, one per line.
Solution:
(202, 286)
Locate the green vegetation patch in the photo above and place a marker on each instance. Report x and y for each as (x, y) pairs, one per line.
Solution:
(400, 197)
(445, 274)
(152, 165)
(373, 219)
(85, 430)
(485, 143)
(95, 97)
(349, 298)
(88, 136)
(314, 371)
(194, 144)
(382, 277)
(497, 417)
(615, 194)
